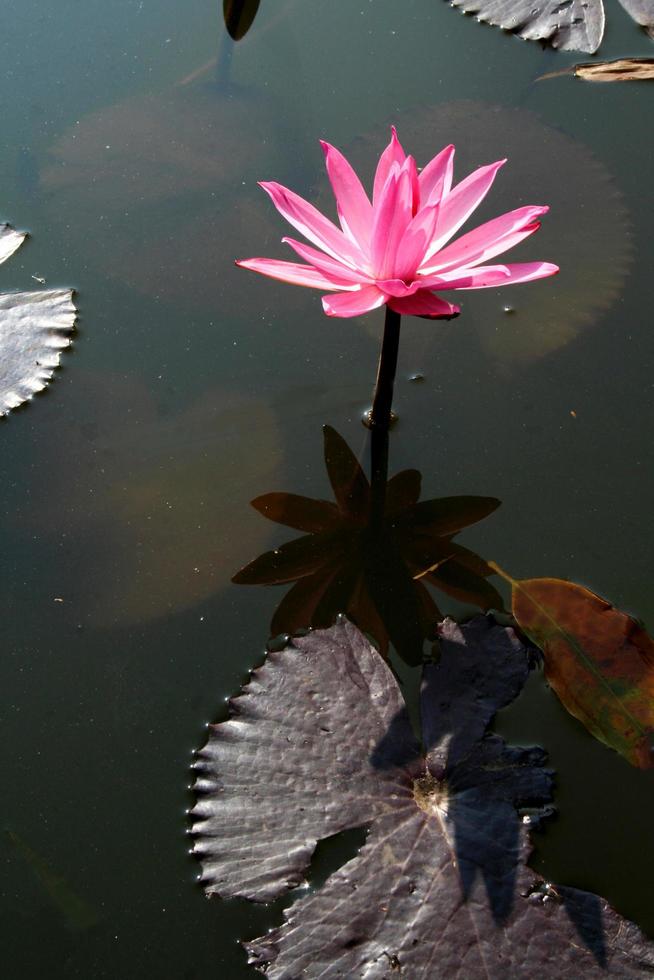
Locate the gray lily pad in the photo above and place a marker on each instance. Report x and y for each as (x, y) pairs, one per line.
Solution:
(642, 12)
(10, 240)
(320, 741)
(572, 25)
(34, 329)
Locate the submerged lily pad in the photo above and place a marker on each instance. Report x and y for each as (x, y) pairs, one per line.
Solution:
(164, 191)
(586, 232)
(76, 914)
(150, 496)
(319, 742)
(572, 25)
(34, 329)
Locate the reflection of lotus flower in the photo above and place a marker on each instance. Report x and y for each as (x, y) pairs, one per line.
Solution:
(395, 250)
(374, 574)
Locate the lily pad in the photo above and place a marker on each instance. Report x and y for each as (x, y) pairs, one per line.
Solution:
(587, 231)
(318, 742)
(164, 191)
(153, 515)
(599, 661)
(75, 912)
(572, 25)
(642, 12)
(34, 329)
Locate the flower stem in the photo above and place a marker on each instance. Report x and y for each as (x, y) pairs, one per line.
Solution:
(380, 413)
(382, 400)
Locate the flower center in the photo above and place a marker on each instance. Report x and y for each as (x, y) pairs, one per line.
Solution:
(431, 795)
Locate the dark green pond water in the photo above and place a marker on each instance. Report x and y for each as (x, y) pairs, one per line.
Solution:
(193, 387)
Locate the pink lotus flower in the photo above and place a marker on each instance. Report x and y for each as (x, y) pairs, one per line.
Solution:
(398, 249)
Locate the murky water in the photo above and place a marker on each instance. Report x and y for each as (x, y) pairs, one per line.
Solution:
(194, 387)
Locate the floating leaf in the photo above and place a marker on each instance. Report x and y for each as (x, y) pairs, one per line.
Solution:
(239, 16)
(599, 661)
(34, 329)
(622, 70)
(587, 229)
(376, 575)
(572, 25)
(10, 240)
(642, 12)
(319, 742)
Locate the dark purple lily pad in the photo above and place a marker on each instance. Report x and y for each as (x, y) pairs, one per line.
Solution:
(319, 742)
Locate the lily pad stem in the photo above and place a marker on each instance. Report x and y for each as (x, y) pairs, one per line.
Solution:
(505, 575)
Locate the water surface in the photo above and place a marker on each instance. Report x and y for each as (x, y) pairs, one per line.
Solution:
(193, 387)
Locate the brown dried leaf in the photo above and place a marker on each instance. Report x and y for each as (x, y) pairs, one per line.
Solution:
(622, 70)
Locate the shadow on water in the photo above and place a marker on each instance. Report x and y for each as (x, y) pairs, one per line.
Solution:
(156, 192)
(482, 785)
(374, 568)
(349, 561)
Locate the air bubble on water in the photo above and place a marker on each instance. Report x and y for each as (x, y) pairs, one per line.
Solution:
(366, 418)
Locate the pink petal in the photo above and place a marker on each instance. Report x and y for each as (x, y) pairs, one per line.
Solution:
(313, 225)
(392, 154)
(436, 177)
(353, 304)
(329, 267)
(415, 240)
(398, 287)
(424, 303)
(392, 214)
(478, 278)
(459, 204)
(410, 166)
(488, 240)
(354, 208)
(484, 277)
(293, 272)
